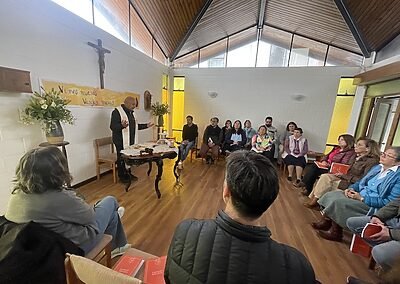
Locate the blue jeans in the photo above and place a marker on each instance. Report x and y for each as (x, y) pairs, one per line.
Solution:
(384, 253)
(185, 149)
(108, 222)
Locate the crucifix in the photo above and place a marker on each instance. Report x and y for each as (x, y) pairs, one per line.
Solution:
(102, 64)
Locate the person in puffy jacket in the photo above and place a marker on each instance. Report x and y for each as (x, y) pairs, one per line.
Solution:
(235, 247)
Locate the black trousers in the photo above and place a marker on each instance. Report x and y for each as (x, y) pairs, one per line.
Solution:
(312, 172)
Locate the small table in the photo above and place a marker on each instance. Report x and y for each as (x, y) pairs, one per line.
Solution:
(62, 145)
(136, 157)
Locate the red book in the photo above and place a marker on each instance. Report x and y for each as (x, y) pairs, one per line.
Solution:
(337, 168)
(359, 246)
(320, 165)
(129, 265)
(154, 270)
(370, 229)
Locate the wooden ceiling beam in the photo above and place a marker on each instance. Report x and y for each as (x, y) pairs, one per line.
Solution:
(199, 15)
(380, 74)
(365, 49)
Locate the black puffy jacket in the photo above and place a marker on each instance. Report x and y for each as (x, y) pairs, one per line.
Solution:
(225, 251)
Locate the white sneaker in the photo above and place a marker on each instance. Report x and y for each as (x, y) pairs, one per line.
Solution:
(180, 166)
(121, 211)
(120, 251)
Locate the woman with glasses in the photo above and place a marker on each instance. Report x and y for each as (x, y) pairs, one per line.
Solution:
(376, 189)
(367, 152)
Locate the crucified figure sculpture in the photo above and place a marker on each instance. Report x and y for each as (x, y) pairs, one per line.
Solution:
(102, 64)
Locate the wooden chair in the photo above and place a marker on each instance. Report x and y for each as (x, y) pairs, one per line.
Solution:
(194, 149)
(109, 158)
(80, 270)
(102, 251)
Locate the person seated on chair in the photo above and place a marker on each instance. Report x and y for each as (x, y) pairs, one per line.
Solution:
(386, 243)
(211, 140)
(367, 152)
(224, 130)
(40, 194)
(376, 189)
(282, 139)
(273, 133)
(189, 136)
(236, 246)
(250, 132)
(295, 154)
(262, 143)
(235, 138)
(344, 154)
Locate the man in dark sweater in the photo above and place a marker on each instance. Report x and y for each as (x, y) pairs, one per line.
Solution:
(211, 140)
(124, 127)
(235, 247)
(189, 136)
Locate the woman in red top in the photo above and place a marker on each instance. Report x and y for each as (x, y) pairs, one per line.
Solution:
(343, 153)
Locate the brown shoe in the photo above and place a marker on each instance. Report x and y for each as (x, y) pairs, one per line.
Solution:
(324, 224)
(335, 233)
(309, 205)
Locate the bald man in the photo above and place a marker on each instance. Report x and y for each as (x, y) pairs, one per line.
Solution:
(124, 127)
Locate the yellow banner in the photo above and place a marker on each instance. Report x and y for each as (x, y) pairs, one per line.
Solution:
(89, 96)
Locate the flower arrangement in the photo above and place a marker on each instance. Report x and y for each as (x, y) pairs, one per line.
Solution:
(47, 108)
(158, 109)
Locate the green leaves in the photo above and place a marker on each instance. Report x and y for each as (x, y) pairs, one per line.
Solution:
(158, 109)
(47, 108)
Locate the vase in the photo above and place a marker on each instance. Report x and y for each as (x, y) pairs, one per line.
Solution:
(56, 134)
(160, 121)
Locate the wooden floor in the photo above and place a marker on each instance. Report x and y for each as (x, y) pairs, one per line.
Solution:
(150, 222)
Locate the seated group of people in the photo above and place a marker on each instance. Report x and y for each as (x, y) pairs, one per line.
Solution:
(213, 249)
(368, 193)
(229, 138)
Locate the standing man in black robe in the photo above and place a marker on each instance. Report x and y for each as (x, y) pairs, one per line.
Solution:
(124, 127)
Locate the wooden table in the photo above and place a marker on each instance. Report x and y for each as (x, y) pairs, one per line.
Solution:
(136, 157)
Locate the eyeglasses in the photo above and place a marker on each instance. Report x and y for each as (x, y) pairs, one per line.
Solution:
(387, 155)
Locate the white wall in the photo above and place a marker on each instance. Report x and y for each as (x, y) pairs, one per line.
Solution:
(254, 93)
(51, 43)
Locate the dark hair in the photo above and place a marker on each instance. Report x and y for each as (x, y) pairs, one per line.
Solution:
(240, 126)
(372, 146)
(41, 170)
(253, 183)
(299, 129)
(228, 120)
(291, 123)
(263, 126)
(215, 118)
(269, 117)
(397, 150)
(247, 120)
(349, 141)
(189, 116)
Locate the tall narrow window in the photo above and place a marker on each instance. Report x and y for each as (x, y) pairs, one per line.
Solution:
(165, 100)
(178, 105)
(343, 106)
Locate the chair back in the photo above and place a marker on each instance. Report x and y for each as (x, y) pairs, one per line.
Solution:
(82, 270)
(98, 143)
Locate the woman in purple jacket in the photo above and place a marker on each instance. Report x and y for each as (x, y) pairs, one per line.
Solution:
(343, 154)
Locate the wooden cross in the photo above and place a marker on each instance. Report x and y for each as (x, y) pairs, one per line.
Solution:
(102, 64)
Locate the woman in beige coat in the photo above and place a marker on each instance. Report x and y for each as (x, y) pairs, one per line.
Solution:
(367, 152)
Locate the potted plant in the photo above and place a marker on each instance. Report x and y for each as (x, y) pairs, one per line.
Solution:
(159, 110)
(49, 109)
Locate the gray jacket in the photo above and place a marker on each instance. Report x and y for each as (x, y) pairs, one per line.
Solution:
(59, 211)
(390, 211)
